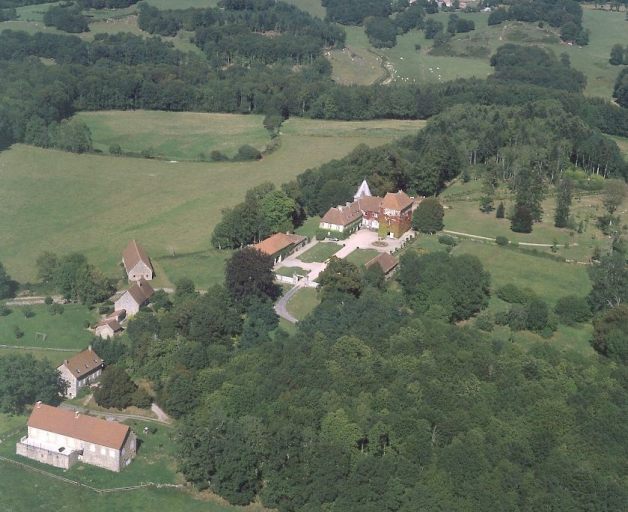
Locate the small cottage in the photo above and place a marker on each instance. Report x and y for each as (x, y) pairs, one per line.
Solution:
(134, 298)
(136, 262)
(62, 437)
(81, 370)
(108, 328)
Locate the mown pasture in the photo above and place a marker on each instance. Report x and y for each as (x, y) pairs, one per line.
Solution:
(63, 202)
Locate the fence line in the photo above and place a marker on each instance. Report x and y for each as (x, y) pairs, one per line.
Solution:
(91, 488)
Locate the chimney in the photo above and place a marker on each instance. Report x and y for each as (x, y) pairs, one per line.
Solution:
(76, 414)
(38, 404)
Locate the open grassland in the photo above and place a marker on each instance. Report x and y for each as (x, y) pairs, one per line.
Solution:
(303, 303)
(547, 278)
(463, 215)
(175, 135)
(52, 200)
(467, 55)
(62, 331)
(356, 63)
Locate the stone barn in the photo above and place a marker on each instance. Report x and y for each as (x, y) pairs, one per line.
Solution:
(136, 262)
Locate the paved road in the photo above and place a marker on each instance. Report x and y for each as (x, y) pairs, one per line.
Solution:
(280, 305)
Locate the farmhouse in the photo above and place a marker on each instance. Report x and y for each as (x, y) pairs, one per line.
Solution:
(134, 298)
(387, 262)
(391, 215)
(136, 262)
(62, 437)
(280, 245)
(81, 370)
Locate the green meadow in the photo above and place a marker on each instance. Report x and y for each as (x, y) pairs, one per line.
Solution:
(467, 55)
(321, 252)
(63, 202)
(361, 257)
(303, 303)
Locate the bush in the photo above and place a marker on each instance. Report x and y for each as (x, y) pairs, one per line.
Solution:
(141, 399)
(321, 234)
(55, 309)
(18, 332)
(28, 312)
(218, 156)
(447, 240)
(515, 295)
(115, 149)
(248, 152)
(572, 309)
(105, 310)
(501, 211)
(501, 241)
(5, 310)
(48, 300)
(484, 322)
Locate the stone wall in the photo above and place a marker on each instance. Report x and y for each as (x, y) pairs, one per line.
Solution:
(45, 456)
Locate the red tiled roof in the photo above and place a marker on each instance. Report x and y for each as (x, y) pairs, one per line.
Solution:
(133, 254)
(78, 426)
(387, 262)
(398, 201)
(83, 363)
(342, 215)
(370, 203)
(278, 242)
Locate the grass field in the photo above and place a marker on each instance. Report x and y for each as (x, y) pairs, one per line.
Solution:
(360, 257)
(356, 63)
(290, 271)
(547, 278)
(303, 303)
(175, 135)
(320, 252)
(52, 200)
(468, 54)
(62, 331)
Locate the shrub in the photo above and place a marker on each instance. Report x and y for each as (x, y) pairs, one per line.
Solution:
(515, 295)
(321, 234)
(105, 310)
(572, 309)
(18, 332)
(248, 152)
(5, 310)
(28, 312)
(141, 399)
(48, 300)
(56, 309)
(501, 240)
(217, 156)
(447, 240)
(484, 322)
(115, 149)
(501, 211)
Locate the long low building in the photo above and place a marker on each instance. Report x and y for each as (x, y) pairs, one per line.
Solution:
(280, 245)
(62, 437)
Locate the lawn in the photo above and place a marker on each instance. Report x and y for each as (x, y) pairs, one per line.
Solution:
(62, 331)
(175, 135)
(356, 63)
(467, 55)
(10, 423)
(52, 200)
(309, 227)
(547, 278)
(290, 271)
(303, 302)
(361, 257)
(321, 252)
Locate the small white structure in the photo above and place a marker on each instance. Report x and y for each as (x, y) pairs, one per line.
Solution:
(136, 262)
(62, 437)
(81, 370)
(134, 298)
(108, 328)
(363, 191)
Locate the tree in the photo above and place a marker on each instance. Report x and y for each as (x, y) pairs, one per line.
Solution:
(613, 195)
(572, 309)
(563, 203)
(500, 212)
(340, 276)
(617, 55)
(184, 287)
(428, 217)
(432, 27)
(249, 274)
(609, 280)
(116, 388)
(180, 396)
(278, 210)
(610, 334)
(260, 321)
(47, 266)
(25, 380)
(8, 287)
(521, 220)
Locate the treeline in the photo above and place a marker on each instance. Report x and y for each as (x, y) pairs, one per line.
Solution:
(66, 17)
(245, 32)
(353, 12)
(620, 91)
(106, 4)
(565, 14)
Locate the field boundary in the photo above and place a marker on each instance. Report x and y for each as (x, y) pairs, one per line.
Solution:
(86, 486)
(22, 347)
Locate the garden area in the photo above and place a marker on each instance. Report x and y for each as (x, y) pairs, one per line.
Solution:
(320, 253)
